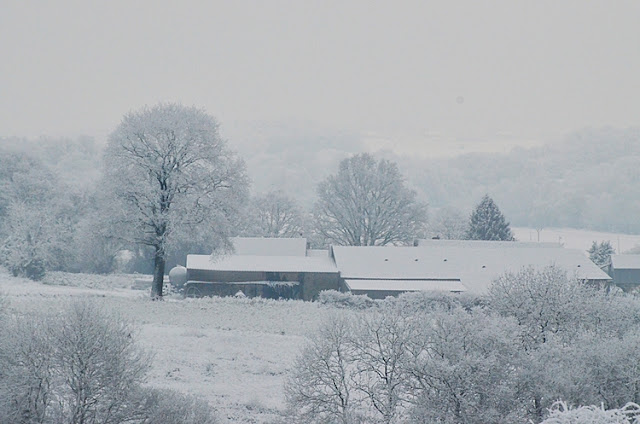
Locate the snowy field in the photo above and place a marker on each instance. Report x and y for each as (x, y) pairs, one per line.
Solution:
(235, 353)
(577, 239)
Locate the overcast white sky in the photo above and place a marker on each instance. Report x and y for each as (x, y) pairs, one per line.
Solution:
(413, 72)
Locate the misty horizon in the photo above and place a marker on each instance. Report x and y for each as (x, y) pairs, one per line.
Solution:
(414, 78)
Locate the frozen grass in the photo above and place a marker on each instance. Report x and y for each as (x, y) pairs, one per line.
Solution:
(234, 353)
(94, 281)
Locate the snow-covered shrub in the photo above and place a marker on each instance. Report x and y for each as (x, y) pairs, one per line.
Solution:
(171, 407)
(345, 300)
(425, 357)
(81, 365)
(421, 301)
(576, 341)
(560, 413)
(29, 236)
(26, 370)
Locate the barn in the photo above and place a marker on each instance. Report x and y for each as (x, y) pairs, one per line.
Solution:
(452, 266)
(479, 263)
(388, 271)
(263, 267)
(286, 268)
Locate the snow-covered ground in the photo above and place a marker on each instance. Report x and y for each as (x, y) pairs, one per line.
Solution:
(577, 239)
(235, 353)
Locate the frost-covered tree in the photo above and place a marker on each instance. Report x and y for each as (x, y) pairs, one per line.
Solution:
(571, 335)
(448, 224)
(367, 204)
(462, 369)
(503, 358)
(26, 248)
(600, 253)
(98, 239)
(320, 388)
(488, 223)
(174, 177)
(83, 365)
(381, 345)
(544, 302)
(274, 214)
(38, 214)
(27, 194)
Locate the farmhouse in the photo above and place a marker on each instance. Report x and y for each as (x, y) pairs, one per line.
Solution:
(286, 268)
(625, 271)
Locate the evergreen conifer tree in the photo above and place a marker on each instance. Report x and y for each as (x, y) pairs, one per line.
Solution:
(488, 223)
(600, 253)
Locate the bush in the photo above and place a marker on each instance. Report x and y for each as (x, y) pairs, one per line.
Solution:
(171, 407)
(421, 301)
(537, 337)
(560, 413)
(82, 366)
(345, 300)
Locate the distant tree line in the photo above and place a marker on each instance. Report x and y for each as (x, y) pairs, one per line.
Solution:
(170, 186)
(585, 181)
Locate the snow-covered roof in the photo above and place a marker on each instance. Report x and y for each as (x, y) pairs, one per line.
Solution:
(625, 261)
(262, 263)
(483, 243)
(263, 246)
(475, 267)
(406, 285)
(318, 252)
(261, 283)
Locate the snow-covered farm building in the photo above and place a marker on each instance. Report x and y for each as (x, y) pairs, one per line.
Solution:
(625, 271)
(267, 267)
(285, 267)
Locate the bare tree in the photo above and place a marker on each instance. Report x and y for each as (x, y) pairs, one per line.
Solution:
(367, 204)
(448, 224)
(380, 347)
(26, 370)
(274, 215)
(99, 365)
(30, 235)
(81, 366)
(173, 173)
(320, 387)
(461, 369)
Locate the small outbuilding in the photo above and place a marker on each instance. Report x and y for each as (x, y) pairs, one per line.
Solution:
(625, 271)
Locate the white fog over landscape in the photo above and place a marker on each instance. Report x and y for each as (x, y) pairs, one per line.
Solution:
(320, 212)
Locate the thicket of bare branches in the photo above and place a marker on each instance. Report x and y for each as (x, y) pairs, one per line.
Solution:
(538, 337)
(274, 214)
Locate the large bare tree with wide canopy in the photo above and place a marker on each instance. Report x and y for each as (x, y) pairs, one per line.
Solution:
(174, 178)
(368, 204)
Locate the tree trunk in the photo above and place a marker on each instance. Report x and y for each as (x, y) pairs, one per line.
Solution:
(158, 274)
